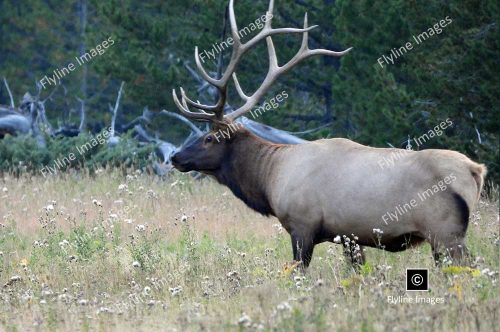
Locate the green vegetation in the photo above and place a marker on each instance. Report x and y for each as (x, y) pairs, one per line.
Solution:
(20, 155)
(451, 75)
(138, 254)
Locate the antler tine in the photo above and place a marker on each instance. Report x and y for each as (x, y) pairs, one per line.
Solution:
(197, 104)
(304, 50)
(319, 51)
(273, 58)
(216, 112)
(305, 35)
(183, 107)
(238, 50)
(270, 11)
(202, 70)
(234, 25)
(239, 89)
(267, 32)
(274, 69)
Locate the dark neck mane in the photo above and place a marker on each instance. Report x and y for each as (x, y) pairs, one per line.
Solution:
(248, 169)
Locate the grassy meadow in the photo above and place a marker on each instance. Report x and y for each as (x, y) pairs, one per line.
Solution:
(136, 253)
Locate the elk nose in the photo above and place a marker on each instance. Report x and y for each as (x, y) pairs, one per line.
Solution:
(175, 158)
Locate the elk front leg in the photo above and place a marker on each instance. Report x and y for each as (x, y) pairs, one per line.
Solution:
(303, 247)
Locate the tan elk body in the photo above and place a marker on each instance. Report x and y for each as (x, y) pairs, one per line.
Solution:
(333, 187)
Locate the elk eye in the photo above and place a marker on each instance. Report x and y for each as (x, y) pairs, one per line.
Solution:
(209, 139)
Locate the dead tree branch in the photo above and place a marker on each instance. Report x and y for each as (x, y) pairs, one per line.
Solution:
(9, 92)
(182, 119)
(115, 110)
(81, 127)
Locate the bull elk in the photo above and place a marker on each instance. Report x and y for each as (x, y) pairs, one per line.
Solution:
(331, 187)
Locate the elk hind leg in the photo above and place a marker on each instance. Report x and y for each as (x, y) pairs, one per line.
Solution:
(454, 250)
(447, 238)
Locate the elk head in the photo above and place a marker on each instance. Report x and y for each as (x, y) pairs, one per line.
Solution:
(204, 154)
(208, 152)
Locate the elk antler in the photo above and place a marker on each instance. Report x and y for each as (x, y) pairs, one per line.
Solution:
(216, 112)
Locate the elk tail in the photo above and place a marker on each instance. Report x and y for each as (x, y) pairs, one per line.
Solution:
(478, 172)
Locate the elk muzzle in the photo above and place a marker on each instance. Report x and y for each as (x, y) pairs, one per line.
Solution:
(180, 164)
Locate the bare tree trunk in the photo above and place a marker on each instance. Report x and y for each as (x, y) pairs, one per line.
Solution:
(83, 25)
(9, 92)
(115, 110)
(81, 127)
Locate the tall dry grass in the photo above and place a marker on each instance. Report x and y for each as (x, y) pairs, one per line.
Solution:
(138, 253)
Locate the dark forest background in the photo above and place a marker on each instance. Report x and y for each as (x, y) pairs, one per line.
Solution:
(451, 75)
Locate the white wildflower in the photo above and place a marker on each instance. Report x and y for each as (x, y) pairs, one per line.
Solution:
(319, 282)
(174, 291)
(104, 309)
(96, 202)
(15, 279)
(284, 306)
(297, 278)
(63, 243)
(245, 320)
